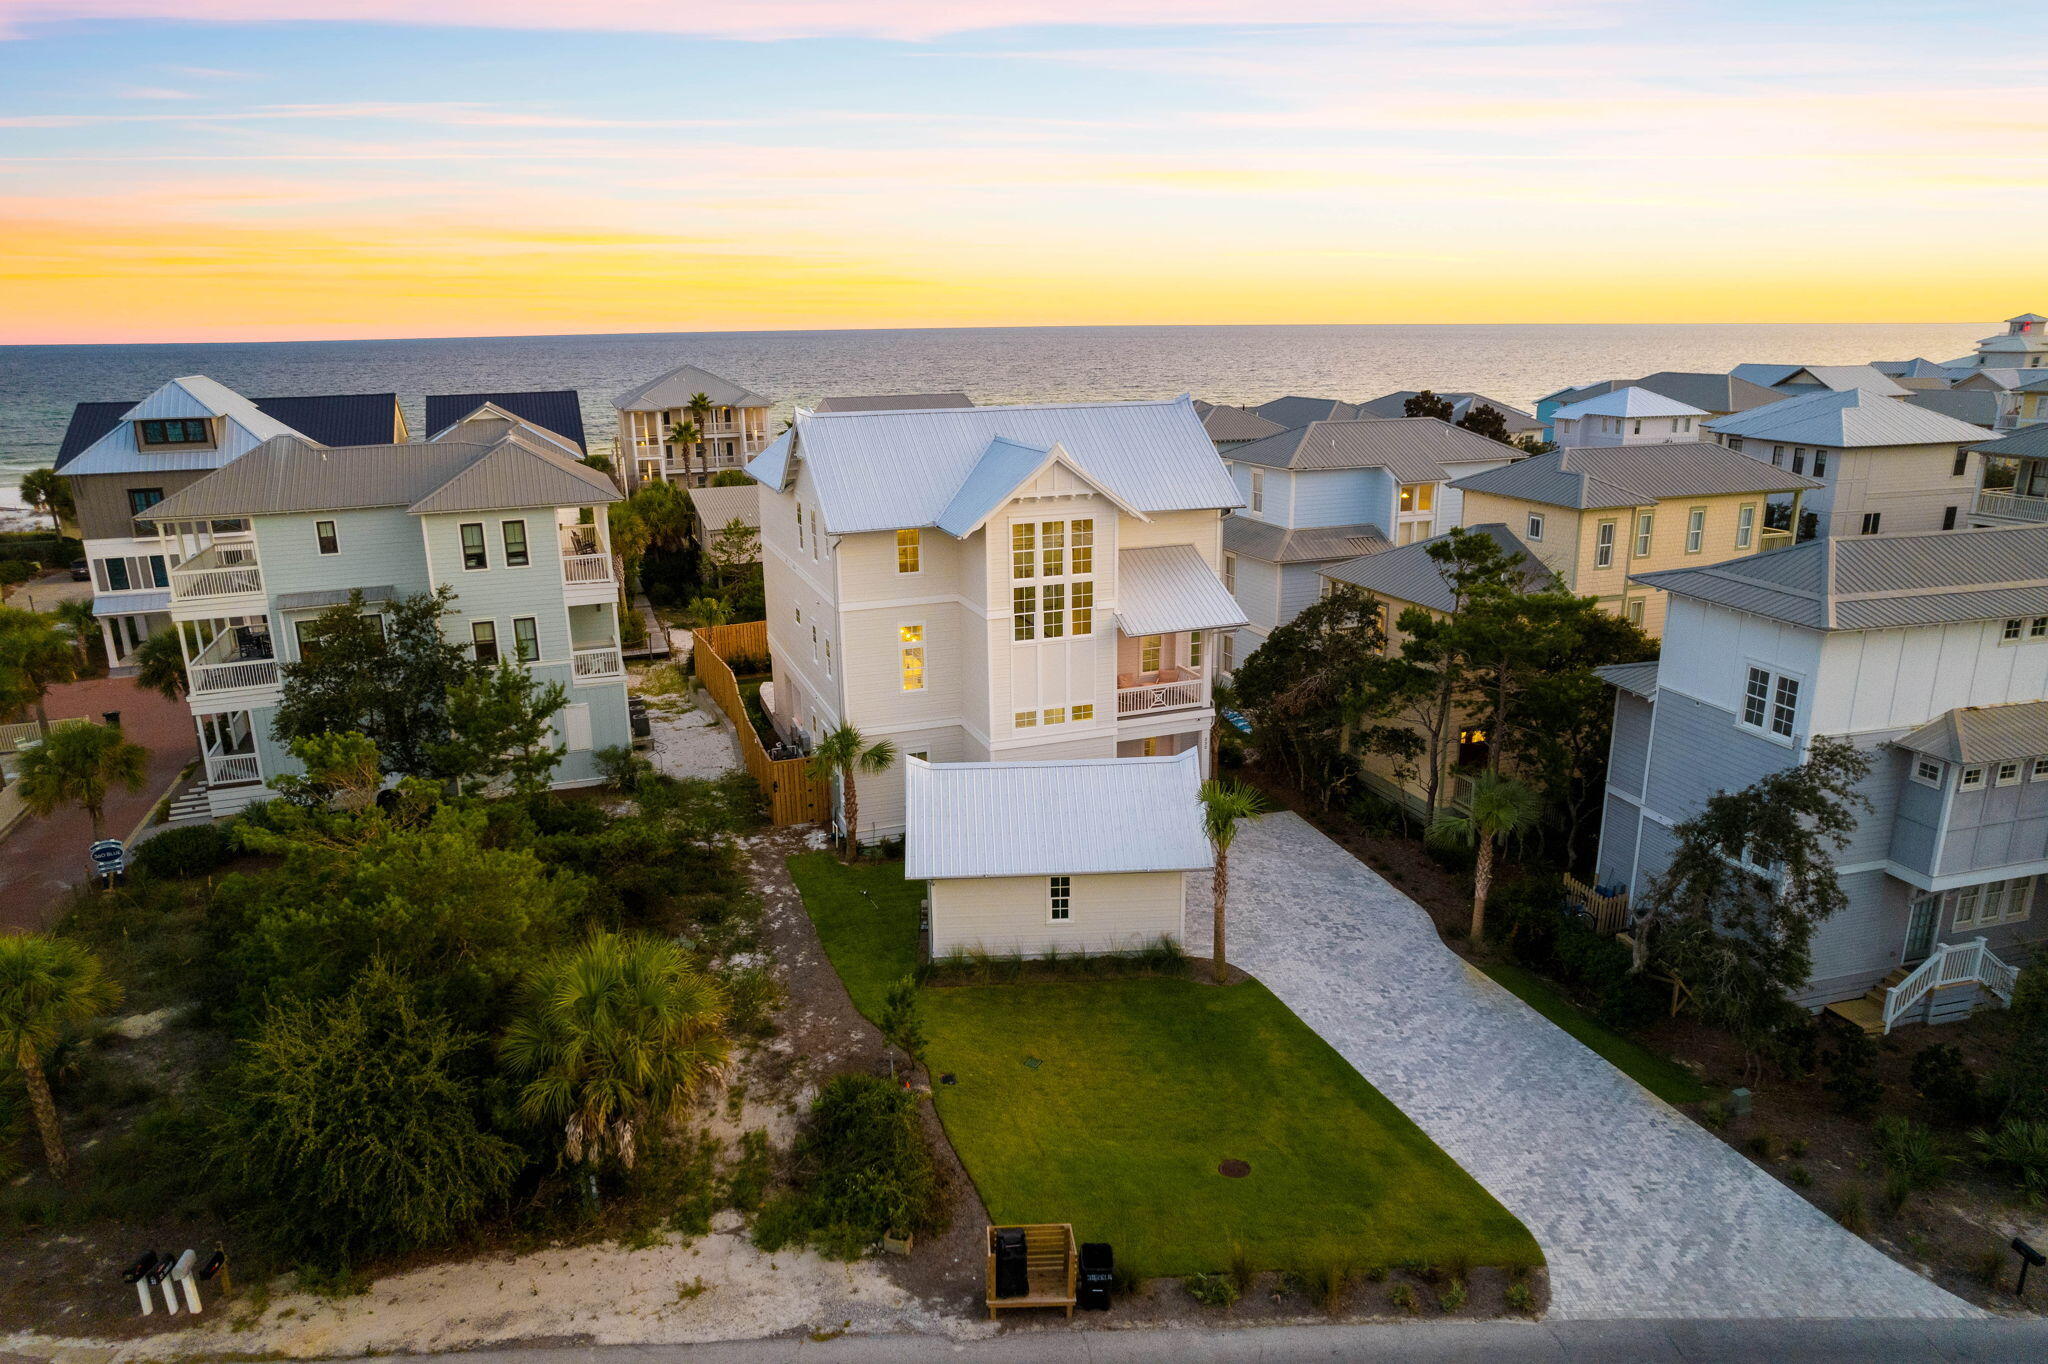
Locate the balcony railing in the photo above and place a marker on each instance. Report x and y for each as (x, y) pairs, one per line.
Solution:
(225, 769)
(1168, 689)
(589, 665)
(219, 570)
(587, 568)
(239, 657)
(2015, 506)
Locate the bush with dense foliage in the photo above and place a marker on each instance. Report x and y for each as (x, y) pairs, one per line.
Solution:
(861, 1169)
(194, 850)
(1544, 934)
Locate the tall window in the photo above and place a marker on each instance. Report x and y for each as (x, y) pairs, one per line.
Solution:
(1149, 649)
(1081, 548)
(1023, 613)
(1052, 548)
(1635, 612)
(1230, 574)
(799, 526)
(1195, 649)
(1023, 550)
(526, 638)
(1871, 521)
(1820, 464)
(908, 550)
(515, 544)
(1756, 697)
(1081, 605)
(1603, 545)
(1695, 530)
(473, 553)
(1962, 465)
(1054, 613)
(1535, 525)
(911, 641)
(1258, 490)
(324, 536)
(1060, 896)
(1785, 706)
(1048, 550)
(1745, 525)
(483, 634)
(1646, 525)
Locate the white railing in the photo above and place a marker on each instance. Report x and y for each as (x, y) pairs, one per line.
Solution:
(208, 678)
(589, 664)
(587, 568)
(2018, 506)
(219, 570)
(1159, 696)
(1970, 963)
(227, 769)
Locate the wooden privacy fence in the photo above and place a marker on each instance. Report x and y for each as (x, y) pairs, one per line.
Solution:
(1608, 912)
(794, 796)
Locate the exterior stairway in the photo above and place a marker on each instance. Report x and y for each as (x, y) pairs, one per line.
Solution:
(1866, 1011)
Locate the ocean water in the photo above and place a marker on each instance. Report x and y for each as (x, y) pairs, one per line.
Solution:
(1517, 364)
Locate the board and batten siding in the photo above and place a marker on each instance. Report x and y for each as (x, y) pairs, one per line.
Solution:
(378, 547)
(1344, 497)
(1628, 748)
(1909, 486)
(1011, 914)
(1900, 679)
(102, 499)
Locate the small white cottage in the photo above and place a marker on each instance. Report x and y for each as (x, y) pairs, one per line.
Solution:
(1085, 855)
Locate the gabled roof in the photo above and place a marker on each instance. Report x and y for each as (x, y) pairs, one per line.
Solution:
(1414, 449)
(1975, 406)
(1919, 367)
(1262, 540)
(2029, 442)
(889, 402)
(1294, 410)
(490, 422)
(1631, 401)
(1004, 467)
(718, 508)
(242, 427)
(1837, 378)
(1574, 393)
(1396, 405)
(1166, 589)
(518, 471)
(1880, 582)
(1983, 734)
(1851, 418)
(1226, 424)
(1709, 392)
(328, 419)
(674, 390)
(1587, 476)
(557, 411)
(89, 421)
(1409, 574)
(1080, 817)
(892, 470)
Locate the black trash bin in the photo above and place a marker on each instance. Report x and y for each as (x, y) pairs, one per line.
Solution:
(1098, 1267)
(1013, 1270)
(112, 717)
(642, 726)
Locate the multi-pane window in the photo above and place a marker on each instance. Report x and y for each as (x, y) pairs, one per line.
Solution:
(1820, 463)
(1053, 616)
(1994, 902)
(1082, 605)
(1024, 550)
(1195, 649)
(1023, 613)
(483, 634)
(141, 500)
(1418, 497)
(526, 639)
(1230, 574)
(2008, 774)
(2037, 628)
(1258, 490)
(1635, 612)
(1081, 548)
(2040, 772)
(1603, 545)
(1745, 525)
(473, 553)
(799, 526)
(909, 550)
(1060, 896)
(1646, 524)
(910, 640)
(187, 431)
(1927, 771)
(1052, 548)
(1046, 550)
(1785, 706)
(1871, 522)
(1082, 712)
(817, 540)
(324, 536)
(1971, 780)
(1025, 719)
(1148, 653)
(1056, 715)
(1756, 698)
(516, 553)
(1695, 530)
(2013, 628)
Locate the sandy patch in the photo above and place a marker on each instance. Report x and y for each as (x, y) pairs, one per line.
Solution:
(689, 738)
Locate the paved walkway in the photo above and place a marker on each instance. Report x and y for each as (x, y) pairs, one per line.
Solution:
(1640, 1212)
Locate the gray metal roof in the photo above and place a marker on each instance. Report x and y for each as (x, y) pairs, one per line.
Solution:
(719, 507)
(674, 390)
(322, 598)
(1879, 582)
(1408, 574)
(1637, 679)
(1413, 449)
(131, 603)
(1256, 539)
(1975, 406)
(1587, 476)
(519, 472)
(1164, 589)
(1226, 424)
(1853, 417)
(891, 470)
(1081, 817)
(1580, 392)
(557, 411)
(1629, 400)
(892, 402)
(1983, 734)
(2029, 442)
(243, 426)
(1294, 410)
(1708, 392)
(1395, 404)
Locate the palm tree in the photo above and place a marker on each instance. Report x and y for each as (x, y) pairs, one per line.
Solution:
(700, 418)
(81, 765)
(79, 618)
(48, 492)
(842, 753)
(682, 434)
(612, 1035)
(47, 986)
(1501, 808)
(1225, 805)
(160, 665)
(34, 656)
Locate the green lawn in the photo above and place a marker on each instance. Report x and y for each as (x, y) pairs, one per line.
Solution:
(1661, 1075)
(1109, 1104)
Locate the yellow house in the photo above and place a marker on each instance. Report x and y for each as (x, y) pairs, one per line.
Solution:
(1596, 515)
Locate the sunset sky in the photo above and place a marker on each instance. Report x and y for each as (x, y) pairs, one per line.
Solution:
(198, 170)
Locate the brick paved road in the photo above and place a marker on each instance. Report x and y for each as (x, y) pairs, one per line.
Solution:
(1640, 1212)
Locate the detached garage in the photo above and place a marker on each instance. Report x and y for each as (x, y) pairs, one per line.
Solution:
(1088, 855)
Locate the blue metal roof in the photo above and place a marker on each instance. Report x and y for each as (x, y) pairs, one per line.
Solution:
(89, 421)
(558, 410)
(331, 419)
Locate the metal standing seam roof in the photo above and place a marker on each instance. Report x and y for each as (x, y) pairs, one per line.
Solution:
(2029, 442)
(1880, 582)
(1574, 393)
(891, 402)
(322, 598)
(894, 470)
(1413, 449)
(1226, 424)
(1708, 392)
(1589, 476)
(1262, 540)
(1003, 468)
(1848, 419)
(1083, 817)
(719, 507)
(327, 419)
(1409, 574)
(1293, 411)
(1637, 679)
(1983, 734)
(1976, 407)
(1630, 401)
(131, 603)
(243, 426)
(557, 411)
(518, 473)
(1165, 589)
(672, 391)
(1395, 404)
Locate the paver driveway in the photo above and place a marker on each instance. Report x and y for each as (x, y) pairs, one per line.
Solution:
(1640, 1212)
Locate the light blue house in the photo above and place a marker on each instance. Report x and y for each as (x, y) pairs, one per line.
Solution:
(497, 509)
(1928, 651)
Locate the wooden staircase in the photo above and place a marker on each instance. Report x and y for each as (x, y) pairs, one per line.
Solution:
(1866, 1011)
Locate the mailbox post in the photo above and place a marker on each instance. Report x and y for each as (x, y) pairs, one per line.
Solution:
(138, 1274)
(2029, 1259)
(181, 1275)
(109, 860)
(159, 1278)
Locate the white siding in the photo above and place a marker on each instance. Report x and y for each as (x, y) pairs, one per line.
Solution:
(1011, 914)
(1897, 679)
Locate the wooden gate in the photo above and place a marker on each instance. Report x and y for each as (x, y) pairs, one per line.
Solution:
(794, 796)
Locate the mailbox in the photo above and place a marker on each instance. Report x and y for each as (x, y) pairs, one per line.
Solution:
(138, 1274)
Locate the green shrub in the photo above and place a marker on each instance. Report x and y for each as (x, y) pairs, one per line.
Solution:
(1799, 1177)
(1850, 1211)
(1520, 1298)
(902, 1018)
(1453, 1296)
(1913, 1158)
(752, 996)
(746, 1183)
(1941, 1076)
(176, 854)
(1850, 1067)
(1326, 1281)
(1242, 1270)
(860, 1169)
(1403, 1297)
(16, 570)
(1210, 1290)
(2019, 1150)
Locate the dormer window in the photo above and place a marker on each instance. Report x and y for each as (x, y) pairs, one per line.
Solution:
(176, 431)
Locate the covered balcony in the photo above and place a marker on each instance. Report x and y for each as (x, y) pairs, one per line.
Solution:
(237, 657)
(586, 553)
(227, 743)
(2015, 488)
(594, 644)
(1169, 602)
(222, 579)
